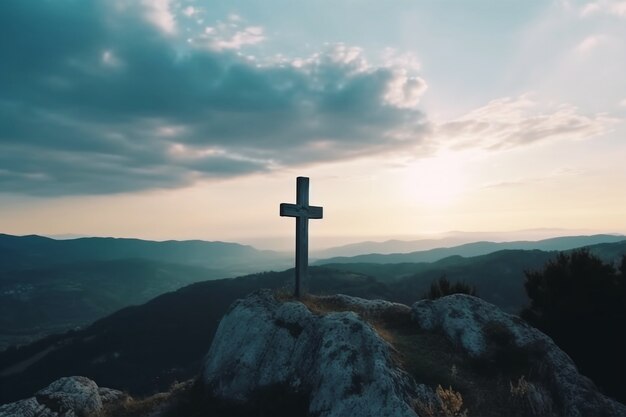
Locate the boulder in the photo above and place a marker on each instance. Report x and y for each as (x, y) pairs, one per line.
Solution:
(74, 396)
(486, 333)
(336, 363)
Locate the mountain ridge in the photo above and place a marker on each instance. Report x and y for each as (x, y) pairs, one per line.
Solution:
(476, 249)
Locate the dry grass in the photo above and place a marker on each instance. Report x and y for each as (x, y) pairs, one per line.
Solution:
(138, 407)
(451, 402)
(432, 359)
(131, 407)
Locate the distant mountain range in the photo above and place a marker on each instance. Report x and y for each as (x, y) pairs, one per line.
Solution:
(25, 252)
(41, 301)
(143, 349)
(49, 285)
(466, 250)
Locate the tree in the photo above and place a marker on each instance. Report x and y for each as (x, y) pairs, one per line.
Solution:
(580, 302)
(442, 287)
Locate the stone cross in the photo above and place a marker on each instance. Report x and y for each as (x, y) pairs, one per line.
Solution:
(302, 212)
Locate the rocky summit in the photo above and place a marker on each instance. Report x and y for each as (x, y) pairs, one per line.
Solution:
(342, 356)
(336, 362)
(331, 353)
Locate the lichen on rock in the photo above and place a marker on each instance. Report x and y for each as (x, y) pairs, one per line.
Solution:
(74, 396)
(336, 362)
(482, 331)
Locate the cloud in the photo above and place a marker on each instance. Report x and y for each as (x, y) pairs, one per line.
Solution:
(590, 43)
(107, 97)
(158, 13)
(511, 122)
(189, 11)
(609, 7)
(228, 36)
(623, 103)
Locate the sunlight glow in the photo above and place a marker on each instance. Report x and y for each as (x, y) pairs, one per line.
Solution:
(436, 181)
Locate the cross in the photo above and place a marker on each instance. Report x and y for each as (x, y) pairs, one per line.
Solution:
(302, 212)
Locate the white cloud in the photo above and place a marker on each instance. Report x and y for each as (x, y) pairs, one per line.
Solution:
(229, 36)
(510, 122)
(158, 12)
(189, 11)
(590, 43)
(589, 9)
(404, 90)
(623, 103)
(610, 7)
(393, 58)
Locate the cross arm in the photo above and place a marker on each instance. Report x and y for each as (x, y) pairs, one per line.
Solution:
(295, 210)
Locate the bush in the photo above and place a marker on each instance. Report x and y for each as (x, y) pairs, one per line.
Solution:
(580, 302)
(442, 287)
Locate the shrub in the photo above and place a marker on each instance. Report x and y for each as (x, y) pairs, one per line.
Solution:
(442, 287)
(580, 302)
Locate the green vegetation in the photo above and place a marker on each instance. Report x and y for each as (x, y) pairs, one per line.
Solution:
(497, 277)
(143, 349)
(477, 249)
(41, 301)
(463, 387)
(580, 301)
(442, 287)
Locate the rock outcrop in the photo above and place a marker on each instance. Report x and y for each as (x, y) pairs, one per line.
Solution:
(74, 396)
(484, 332)
(330, 357)
(337, 363)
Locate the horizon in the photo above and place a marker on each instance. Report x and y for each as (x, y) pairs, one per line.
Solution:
(184, 119)
(447, 239)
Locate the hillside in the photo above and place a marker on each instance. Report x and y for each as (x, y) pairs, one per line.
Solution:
(341, 356)
(49, 286)
(144, 349)
(498, 277)
(37, 301)
(476, 249)
(26, 252)
(41, 301)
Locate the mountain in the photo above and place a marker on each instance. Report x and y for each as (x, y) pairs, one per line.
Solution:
(41, 301)
(439, 240)
(25, 252)
(337, 355)
(143, 349)
(498, 277)
(472, 249)
(387, 247)
(49, 286)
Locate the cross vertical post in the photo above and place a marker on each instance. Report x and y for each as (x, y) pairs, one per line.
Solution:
(302, 212)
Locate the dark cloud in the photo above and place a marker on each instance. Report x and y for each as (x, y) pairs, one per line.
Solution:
(95, 99)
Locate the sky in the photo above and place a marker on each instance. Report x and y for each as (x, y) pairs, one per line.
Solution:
(176, 119)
